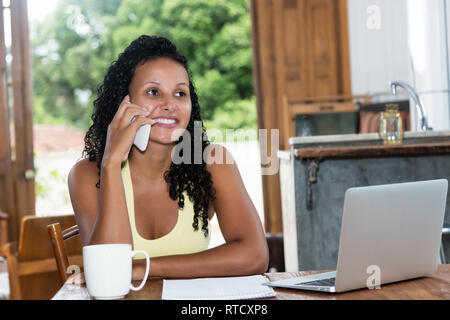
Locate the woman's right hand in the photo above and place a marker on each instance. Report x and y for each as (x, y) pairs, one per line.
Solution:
(122, 130)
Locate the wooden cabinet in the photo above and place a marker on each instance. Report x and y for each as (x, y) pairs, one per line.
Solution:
(300, 51)
(316, 175)
(309, 44)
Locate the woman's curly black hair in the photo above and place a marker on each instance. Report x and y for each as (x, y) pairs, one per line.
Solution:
(190, 177)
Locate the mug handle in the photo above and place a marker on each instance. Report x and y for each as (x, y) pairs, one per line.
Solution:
(147, 269)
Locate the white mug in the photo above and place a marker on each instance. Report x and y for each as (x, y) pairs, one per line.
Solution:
(108, 269)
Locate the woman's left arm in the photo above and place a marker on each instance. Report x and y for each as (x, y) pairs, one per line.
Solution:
(245, 249)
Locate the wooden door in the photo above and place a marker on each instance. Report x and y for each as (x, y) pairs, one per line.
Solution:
(300, 50)
(7, 202)
(17, 190)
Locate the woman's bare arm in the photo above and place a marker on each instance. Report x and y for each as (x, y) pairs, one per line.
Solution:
(245, 251)
(102, 215)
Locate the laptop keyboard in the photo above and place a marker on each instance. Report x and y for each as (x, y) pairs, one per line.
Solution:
(325, 282)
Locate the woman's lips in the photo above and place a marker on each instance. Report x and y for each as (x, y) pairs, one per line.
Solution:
(165, 125)
(166, 122)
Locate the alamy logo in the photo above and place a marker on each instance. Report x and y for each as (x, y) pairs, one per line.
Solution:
(189, 150)
(374, 280)
(373, 21)
(73, 269)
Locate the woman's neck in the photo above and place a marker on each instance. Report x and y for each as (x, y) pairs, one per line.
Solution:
(153, 162)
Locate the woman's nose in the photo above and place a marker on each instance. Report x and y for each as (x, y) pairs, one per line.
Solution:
(168, 105)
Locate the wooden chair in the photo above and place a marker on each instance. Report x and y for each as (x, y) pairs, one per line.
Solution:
(3, 228)
(33, 272)
(59, 249)
(3, 240)
(276, 252)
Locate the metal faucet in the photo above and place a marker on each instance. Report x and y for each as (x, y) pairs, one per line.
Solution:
(423, 120)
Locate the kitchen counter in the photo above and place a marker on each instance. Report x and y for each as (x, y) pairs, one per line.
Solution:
(317, 170)
(374, 150)
(367, 139)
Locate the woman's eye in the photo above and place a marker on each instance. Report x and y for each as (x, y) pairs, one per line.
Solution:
(152, 92)
(180, 94)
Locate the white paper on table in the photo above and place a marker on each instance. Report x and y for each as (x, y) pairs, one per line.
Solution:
(228, 288)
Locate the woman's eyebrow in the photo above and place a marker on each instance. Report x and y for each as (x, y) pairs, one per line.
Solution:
(158, 83)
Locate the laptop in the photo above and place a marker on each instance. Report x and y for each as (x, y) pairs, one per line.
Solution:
(389, 233)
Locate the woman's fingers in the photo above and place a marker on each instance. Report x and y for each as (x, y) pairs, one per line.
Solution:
(123, 128)
(125, 102)
(139, 121)
(124, 106)
(128, 111)
(132, 112)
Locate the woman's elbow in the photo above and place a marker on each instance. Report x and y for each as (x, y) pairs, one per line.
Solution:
(264, 260)
(259, 260)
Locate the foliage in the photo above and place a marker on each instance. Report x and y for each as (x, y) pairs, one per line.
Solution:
(233, 117)
(74, 47)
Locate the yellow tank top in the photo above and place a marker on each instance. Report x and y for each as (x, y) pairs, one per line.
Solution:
(182, 239)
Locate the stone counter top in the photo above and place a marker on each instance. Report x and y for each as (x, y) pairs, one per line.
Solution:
(370, 145)
(374, 151)
(366, 139)
(316, 172)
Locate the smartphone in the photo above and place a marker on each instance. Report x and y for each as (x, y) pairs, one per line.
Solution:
(142, 135)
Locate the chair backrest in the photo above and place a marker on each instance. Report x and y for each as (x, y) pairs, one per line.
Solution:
(33, 242)
(32, 268)
(58, 238)
(276, 252)
(3, 228)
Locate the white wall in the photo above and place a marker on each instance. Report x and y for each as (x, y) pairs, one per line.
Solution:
(447, 16)
(426, 37)
(401, 40)
(378, 54)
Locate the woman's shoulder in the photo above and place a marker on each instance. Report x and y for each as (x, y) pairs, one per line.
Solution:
(83, 172)
(218, 154)
(220, 163)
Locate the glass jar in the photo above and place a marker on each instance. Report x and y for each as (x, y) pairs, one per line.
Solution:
(391, 126)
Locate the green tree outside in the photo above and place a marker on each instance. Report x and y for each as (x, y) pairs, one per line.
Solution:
(74, 47)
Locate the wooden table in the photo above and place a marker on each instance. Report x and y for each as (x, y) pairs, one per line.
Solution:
(436, 287)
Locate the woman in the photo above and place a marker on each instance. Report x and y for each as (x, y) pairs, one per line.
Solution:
(123, 195)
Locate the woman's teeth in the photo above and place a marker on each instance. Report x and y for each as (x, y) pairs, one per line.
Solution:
(166, 121)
